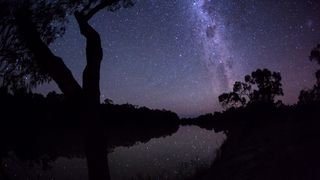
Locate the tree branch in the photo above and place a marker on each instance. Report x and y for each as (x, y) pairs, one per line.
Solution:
(104, 3)
(94, 54)
(46, 59)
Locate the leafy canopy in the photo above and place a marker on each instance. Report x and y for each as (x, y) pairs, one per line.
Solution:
(262, 86)
(312, 95)
(17, 66)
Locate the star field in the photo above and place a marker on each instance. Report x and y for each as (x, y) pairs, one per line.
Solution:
(181, 54)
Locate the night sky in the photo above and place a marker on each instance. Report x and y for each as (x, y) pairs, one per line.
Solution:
(182, 54)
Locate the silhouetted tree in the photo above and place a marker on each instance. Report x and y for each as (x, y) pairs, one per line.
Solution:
(315, 56)
(312, 95)
(27, 28)
(18, 67)
(262, 86)
(108, 101)
(232, 99)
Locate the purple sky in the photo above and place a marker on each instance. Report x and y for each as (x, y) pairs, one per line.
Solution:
(181, 54)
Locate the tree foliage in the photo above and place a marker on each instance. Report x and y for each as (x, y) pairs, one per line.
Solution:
(315, 56)
(27, 29)
(18, 69)
(312, 95)
(262, 86)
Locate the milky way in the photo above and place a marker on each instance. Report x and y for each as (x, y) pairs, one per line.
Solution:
(182, 54)
(211, 34)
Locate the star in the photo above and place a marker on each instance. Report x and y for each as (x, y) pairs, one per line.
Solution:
(179, 42)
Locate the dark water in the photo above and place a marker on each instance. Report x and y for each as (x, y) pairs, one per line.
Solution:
(179, 155)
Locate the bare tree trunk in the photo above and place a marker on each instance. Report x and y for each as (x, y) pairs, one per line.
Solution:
(96, 143)
(88, 95)
(94, 54)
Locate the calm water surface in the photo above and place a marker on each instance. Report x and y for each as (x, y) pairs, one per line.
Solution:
(179, 155)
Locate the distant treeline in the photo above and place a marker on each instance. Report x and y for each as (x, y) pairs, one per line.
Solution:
(32, 113)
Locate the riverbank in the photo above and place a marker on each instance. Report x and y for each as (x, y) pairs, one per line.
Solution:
(272, 146)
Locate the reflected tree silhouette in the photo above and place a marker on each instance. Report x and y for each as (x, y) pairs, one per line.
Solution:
(33, 127)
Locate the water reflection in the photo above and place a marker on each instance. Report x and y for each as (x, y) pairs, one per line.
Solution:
(167, 157)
